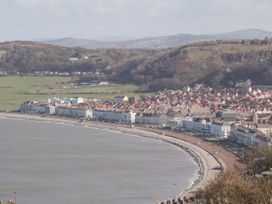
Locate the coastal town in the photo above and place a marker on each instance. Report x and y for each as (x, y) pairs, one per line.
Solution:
(136, 102)
(242, 116)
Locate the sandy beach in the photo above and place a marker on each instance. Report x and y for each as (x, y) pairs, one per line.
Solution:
(211, 159)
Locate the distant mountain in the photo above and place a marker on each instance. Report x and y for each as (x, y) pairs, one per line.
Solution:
(160, 42)
(244, 34)
(116, 38)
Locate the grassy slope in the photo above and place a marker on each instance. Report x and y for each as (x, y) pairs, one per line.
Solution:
(16, 90)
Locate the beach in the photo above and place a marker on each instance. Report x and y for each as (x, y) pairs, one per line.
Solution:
(211, 159)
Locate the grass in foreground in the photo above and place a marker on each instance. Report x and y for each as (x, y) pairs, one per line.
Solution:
(15, 90)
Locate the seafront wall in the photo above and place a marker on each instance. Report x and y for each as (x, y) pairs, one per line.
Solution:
(210, 167)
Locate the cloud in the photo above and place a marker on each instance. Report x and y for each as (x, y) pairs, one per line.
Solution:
(25, 3)
(94, 18)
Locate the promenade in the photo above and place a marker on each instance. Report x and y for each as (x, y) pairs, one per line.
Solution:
(229, 160)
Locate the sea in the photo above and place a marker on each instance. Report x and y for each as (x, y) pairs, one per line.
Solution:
(46, 163)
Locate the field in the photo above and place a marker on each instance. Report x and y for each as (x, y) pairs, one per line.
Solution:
(15, 90)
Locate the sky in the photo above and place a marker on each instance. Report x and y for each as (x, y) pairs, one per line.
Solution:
(102, 19)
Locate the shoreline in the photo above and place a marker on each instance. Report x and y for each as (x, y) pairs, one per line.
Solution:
(210, 167)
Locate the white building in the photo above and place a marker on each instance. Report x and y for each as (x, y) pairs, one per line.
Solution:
(197, 125)
(74, 112)
(248, 137)
(266, 129)
(63, 111)
(174, 123)
(59, 101)
(81, 113)
(221, 130)
(152, 119)
(187, 124)
(129, 117)
(35, 107)
(114, 116)
(201, 126)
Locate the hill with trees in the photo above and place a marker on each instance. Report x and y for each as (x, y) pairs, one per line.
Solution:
(217, 63)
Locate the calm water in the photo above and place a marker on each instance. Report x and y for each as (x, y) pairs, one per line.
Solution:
(48, 164)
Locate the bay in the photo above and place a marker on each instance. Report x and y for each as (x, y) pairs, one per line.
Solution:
(48, 163)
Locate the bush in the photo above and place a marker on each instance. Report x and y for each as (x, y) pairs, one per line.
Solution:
(242, 187)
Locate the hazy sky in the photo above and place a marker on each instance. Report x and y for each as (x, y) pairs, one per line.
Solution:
(47, 19)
